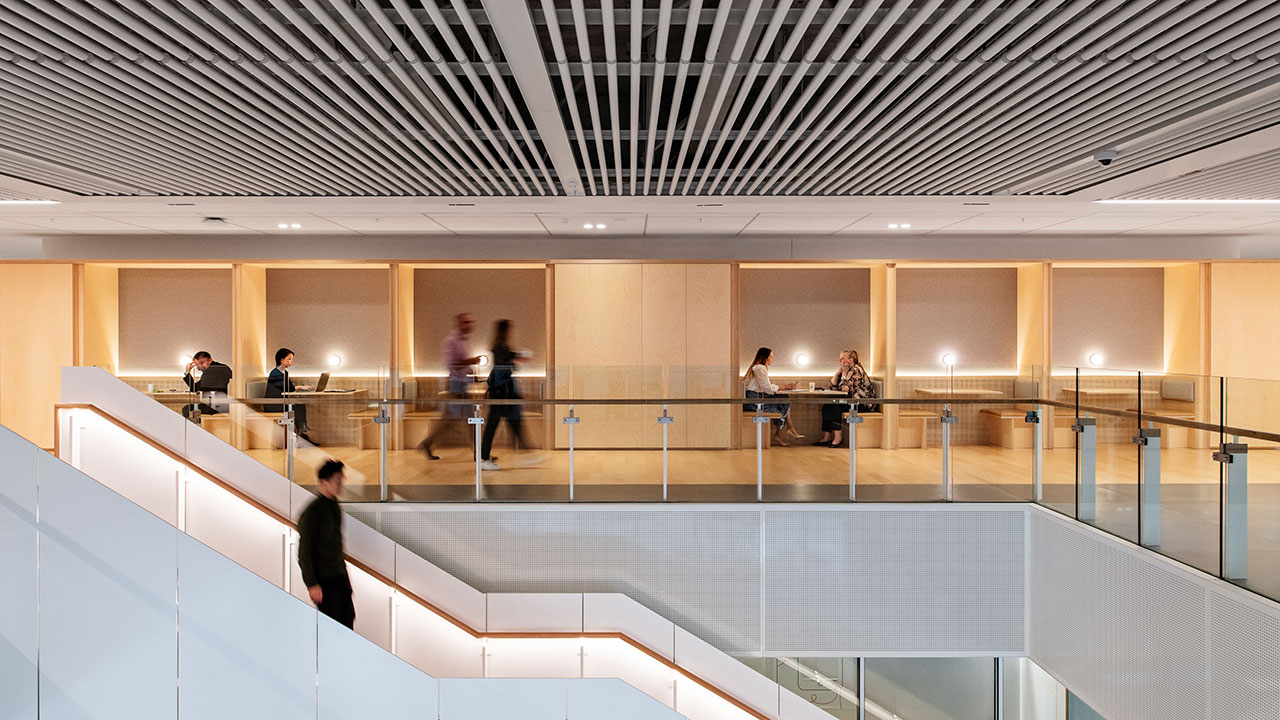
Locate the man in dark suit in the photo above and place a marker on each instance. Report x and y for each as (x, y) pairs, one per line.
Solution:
(213, 382)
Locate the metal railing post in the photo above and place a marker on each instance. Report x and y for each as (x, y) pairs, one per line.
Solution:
(947, 421)
(862, 689)
(384, 422)
(570, 421)
(1149, 492)
(665, 421)
(478, 421)
(1235, 510)
(1086, 468)
(290, 441)
(1037, 457)
(759, 420)
(854, 421)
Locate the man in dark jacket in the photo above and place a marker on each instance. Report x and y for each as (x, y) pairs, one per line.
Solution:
(213, 383)
(320, 556)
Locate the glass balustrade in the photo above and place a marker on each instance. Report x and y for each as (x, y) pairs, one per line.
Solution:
(1178, 463)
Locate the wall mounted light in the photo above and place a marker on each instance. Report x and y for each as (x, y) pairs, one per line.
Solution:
(948, 359)
(185, 358)
(802, 359)
(1096, 359)
(335, 360)
(484, 360)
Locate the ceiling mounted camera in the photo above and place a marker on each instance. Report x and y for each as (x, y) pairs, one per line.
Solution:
(1106, 157)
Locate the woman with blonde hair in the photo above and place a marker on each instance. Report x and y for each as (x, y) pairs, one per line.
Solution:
(851, 379)
(759, 386)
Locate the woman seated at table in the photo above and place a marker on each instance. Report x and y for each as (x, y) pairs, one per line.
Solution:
(279, 383)
(759, 386)
(852, 380)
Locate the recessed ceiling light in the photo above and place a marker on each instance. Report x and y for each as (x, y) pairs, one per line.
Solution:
(893, 226)
(587, 226)
(906, 225)
(283, 226)
(295, 226)
(599, 226)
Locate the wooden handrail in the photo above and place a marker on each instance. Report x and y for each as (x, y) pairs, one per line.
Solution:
(390, 582)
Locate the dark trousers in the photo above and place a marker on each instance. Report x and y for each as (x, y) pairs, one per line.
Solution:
(831, 421)
(496, 413)
(335, 600)
(190, 410)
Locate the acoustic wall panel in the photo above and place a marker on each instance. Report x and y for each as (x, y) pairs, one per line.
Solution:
(114, 657)
(1244, 658)
(18, 639)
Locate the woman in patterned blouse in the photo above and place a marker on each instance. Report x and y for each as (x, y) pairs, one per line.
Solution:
(852, 380)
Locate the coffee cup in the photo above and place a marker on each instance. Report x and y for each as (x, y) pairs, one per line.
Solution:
(813, 386)
(151, 387)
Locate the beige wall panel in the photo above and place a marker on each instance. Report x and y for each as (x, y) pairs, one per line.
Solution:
(1245, 298)
(818, 312)
(972, 312)
(318, 312)
(37, 339)
(598, 326)
(1118, 312)
(709, 334)
(100, 317)
(167, 313)
(518, 294)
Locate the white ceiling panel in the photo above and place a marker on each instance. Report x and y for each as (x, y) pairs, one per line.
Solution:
(613, 224)
(11, 226)
(697, 224)
(185, 223)
(878, 223)
(790, 224)
(1209, 223)
(477, 223)
(1005, 223)
(310, 224)
(1107, 223)
(377, 224)
(80, 224)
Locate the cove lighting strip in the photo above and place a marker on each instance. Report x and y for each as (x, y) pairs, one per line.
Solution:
(30, 202)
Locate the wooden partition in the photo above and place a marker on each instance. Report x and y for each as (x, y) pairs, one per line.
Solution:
(38, 331)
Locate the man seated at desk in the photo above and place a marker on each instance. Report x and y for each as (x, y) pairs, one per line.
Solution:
(214, 379)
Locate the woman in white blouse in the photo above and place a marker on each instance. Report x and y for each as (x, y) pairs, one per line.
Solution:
(758, 385)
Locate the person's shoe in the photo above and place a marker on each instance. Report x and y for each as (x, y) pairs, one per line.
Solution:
(489, 465)
(426, 449)
(822, 443)
(777, 440)
(307, 438)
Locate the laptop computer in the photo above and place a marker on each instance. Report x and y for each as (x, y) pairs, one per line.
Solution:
(324, 382)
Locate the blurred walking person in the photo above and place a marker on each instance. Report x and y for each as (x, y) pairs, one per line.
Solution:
(320, 555)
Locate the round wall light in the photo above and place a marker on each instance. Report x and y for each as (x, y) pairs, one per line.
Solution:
(185, 358)
(484, 360)
(1096, 359)
(802, 359)
(335, 360)
(948, 359)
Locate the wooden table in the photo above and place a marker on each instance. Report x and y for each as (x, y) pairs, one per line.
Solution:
(1108, 392)
(803, 392)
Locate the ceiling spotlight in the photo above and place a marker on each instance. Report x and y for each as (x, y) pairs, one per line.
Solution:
(893, 226)
(283, 226)
(587, 226)
(802, 359)
(297, 226)
(906, 226)
(1095, 359)
(948, 359)
(599, 226)
(335, 360)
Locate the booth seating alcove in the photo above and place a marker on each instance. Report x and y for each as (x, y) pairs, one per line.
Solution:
(263, 429)
(1007, 426)
(1177, 400)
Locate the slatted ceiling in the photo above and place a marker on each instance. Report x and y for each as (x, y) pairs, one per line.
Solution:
(1254, 178)
(652, 97)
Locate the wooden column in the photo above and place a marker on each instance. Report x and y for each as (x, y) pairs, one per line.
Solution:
(38, 330)
(401, 351)
(1186, 337)
(98, 317)
(884, 344)
(249, 353)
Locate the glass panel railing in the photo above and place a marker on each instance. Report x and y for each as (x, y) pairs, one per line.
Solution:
(939, 688)
(1181, 482)
(992, 443)
(1058, 468)
(1107, 459)
(1250, 464)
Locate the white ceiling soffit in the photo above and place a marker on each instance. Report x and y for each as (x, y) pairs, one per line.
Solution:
(1251, 178)
(361, 98)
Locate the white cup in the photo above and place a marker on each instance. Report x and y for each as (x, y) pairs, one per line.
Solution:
(813, 386)
(151, 387)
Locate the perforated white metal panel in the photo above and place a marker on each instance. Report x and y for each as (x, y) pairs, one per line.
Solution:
(1119, 626)
(835, 579)
(1244, 659)
(917, 580)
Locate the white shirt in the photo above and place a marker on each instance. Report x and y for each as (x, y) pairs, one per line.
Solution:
(758, 380)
